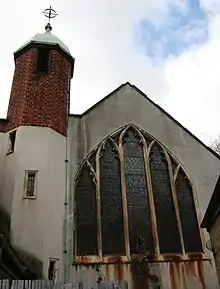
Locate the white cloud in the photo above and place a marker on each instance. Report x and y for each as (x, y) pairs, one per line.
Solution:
(194, 89)
(100, 35)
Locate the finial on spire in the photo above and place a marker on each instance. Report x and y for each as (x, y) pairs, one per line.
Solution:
(49, 13)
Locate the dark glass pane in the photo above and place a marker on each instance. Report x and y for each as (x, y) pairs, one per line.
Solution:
(190, 228)
(31, 184)
(86, 216)
(140, 230)
(111, 202)
(168, 232)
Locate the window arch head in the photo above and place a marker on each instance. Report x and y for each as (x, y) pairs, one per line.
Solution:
(132, 197)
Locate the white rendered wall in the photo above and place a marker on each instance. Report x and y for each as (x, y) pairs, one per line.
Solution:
(7, 164)
(37, 224)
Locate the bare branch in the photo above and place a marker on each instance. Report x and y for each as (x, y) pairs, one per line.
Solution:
(215, 145)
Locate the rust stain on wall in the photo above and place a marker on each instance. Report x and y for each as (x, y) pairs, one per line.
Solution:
(184, 273)
(142, 274)
(201, 274)
(120, 272)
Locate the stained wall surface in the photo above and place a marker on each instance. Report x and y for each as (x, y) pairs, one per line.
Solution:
(128, 106)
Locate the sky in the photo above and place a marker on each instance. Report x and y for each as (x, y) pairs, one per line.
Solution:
(170, 49)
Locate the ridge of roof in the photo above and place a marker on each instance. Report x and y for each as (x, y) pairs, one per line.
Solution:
(152, 102)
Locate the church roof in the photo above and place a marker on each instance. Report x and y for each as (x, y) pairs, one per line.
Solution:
(156, 105)
(45, 38)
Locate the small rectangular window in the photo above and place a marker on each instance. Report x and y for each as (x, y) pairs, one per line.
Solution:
(53, 269)
(11, 144)
(30, 184)
(43, 59)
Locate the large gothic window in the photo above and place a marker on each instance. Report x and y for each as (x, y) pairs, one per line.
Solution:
(132, 197)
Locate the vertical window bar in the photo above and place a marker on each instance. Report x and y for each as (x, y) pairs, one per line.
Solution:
(98, 205)
(151, 201)
(124, 197)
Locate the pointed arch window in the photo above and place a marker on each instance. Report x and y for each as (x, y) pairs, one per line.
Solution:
(132, 197)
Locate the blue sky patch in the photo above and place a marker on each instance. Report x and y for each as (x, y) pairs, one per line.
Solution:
(182, 29)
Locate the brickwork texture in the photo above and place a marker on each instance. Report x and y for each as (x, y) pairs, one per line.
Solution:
(39, 99)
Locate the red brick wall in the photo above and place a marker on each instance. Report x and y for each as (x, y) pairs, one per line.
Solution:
(40, 100)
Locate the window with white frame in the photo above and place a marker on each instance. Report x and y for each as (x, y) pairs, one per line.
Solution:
(30, 185)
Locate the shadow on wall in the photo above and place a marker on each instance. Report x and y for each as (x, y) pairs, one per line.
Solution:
(15, 264)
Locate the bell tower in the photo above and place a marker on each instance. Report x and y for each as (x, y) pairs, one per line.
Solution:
(34, 151)
(40, 93)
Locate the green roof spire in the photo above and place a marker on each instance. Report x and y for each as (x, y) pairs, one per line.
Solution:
(46, 38)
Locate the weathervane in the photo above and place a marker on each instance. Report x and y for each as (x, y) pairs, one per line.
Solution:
(49, 13)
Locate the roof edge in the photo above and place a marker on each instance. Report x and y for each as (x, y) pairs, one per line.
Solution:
(152, 102)
(213, 208)
(41, 43)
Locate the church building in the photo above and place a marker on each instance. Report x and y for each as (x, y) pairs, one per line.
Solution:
(114, 194)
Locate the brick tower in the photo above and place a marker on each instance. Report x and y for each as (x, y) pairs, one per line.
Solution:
(33, 151)
(40, 89)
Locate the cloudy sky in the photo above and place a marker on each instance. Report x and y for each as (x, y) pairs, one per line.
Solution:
(170, 49)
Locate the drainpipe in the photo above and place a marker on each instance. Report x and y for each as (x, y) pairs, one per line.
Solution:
(65, 207)
(65, 215)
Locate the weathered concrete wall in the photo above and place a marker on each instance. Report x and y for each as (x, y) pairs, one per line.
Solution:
(215, 238)
(129, 106)
(37, 224)
(5, 200)
(166, 275)
(7, 164)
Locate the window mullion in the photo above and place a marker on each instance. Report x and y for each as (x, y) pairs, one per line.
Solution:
(175, 201)
(151, 200)
(98, 204)
(124, 199)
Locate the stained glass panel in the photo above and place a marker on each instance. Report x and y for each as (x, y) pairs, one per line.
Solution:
(140, 231)
(169, 239)
(111, 202)
(86, 214)
(190, 228)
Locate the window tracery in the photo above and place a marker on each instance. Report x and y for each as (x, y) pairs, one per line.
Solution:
(132, 197)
